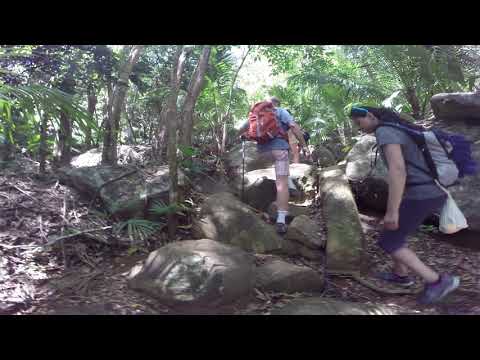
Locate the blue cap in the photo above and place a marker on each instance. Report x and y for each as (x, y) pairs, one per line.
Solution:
(358, 111)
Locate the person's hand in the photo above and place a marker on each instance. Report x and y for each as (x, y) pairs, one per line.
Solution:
(307, 153)
(390, 220)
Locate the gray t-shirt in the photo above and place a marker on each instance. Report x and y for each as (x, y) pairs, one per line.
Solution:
(411, 153)
(286, 121)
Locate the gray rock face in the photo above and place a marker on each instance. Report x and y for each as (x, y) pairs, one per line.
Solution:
(368, 183)
(280, 276)
(124, 198)
(324, 156)
(195, 273)
(345, 240)
(306, 232)
(127, 154)
(456, 106)
(226, 219)
(467, 192)
(233, 159)
(324, 306)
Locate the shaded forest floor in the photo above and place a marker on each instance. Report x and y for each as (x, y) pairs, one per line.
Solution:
(34, 278)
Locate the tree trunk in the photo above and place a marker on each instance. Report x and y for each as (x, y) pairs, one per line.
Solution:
(65, 131)
(171, 116)
(65, 139)
(159, 131)
(43, 143)
(92, 104)
(412, 99)
(227, 114)
(109, 154)
(193, 92)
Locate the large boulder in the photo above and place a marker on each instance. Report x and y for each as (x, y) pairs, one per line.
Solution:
(368, 182)
(324, 156)
(233, 159)
(226, 219)
(195, 274)
(456, 106)
(293, 211)
(295, 248)
(127, 197)
(467, 192)
(306, 232)
(260, 189)
(127, 154)
(280, 276)
(324, 306)
(345, 239)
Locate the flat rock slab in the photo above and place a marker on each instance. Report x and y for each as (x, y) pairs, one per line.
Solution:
(127, 197)
(324, 306)
(280, 276)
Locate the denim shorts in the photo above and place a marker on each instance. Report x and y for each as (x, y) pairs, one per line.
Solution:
(411, 215)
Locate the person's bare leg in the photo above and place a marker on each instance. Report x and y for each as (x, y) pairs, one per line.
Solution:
(295, 153)
(399, 268)
(282, 192)
(408, 258)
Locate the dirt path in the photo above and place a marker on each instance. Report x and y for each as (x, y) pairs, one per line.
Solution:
(34, 280)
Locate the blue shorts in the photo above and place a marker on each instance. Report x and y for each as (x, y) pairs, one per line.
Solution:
(411, 215)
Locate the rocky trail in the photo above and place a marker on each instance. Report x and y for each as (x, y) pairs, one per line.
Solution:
(87, 274)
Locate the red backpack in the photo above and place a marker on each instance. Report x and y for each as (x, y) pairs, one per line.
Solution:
(263, 125)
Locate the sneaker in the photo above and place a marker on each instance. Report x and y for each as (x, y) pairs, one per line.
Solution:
(404, 281)
(281, 228)
(435, 292)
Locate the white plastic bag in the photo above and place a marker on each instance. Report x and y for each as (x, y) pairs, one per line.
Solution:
(451, 217)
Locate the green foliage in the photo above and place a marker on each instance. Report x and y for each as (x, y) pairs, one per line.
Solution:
(159, 208)
(139, 229)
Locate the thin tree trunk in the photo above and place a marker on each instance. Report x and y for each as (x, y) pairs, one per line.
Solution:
(43, 143)
(171, 116)
(109, 154)
(65, 131)
(92, 104)
(227, 114)
(130, 115)
(193, 92)
(159, 131)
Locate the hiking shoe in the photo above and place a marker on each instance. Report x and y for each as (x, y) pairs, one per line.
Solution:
(281, 228)
(404, 281)
(435, 292)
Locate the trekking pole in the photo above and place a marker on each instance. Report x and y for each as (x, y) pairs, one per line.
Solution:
(243, 167)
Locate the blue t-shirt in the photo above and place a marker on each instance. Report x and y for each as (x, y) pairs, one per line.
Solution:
(286, 121)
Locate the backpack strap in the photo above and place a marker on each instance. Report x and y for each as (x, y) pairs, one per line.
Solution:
(431, 166)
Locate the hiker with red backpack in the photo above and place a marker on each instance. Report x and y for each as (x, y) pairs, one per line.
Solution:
(268, 125)
(421, 164)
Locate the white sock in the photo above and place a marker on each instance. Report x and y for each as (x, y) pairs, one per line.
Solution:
(281, 214)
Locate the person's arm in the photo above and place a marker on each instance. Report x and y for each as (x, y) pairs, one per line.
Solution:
(299, 135)
(397, 176)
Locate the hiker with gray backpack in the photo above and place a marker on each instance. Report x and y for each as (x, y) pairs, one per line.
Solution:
(268, 124)
(421, 164)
